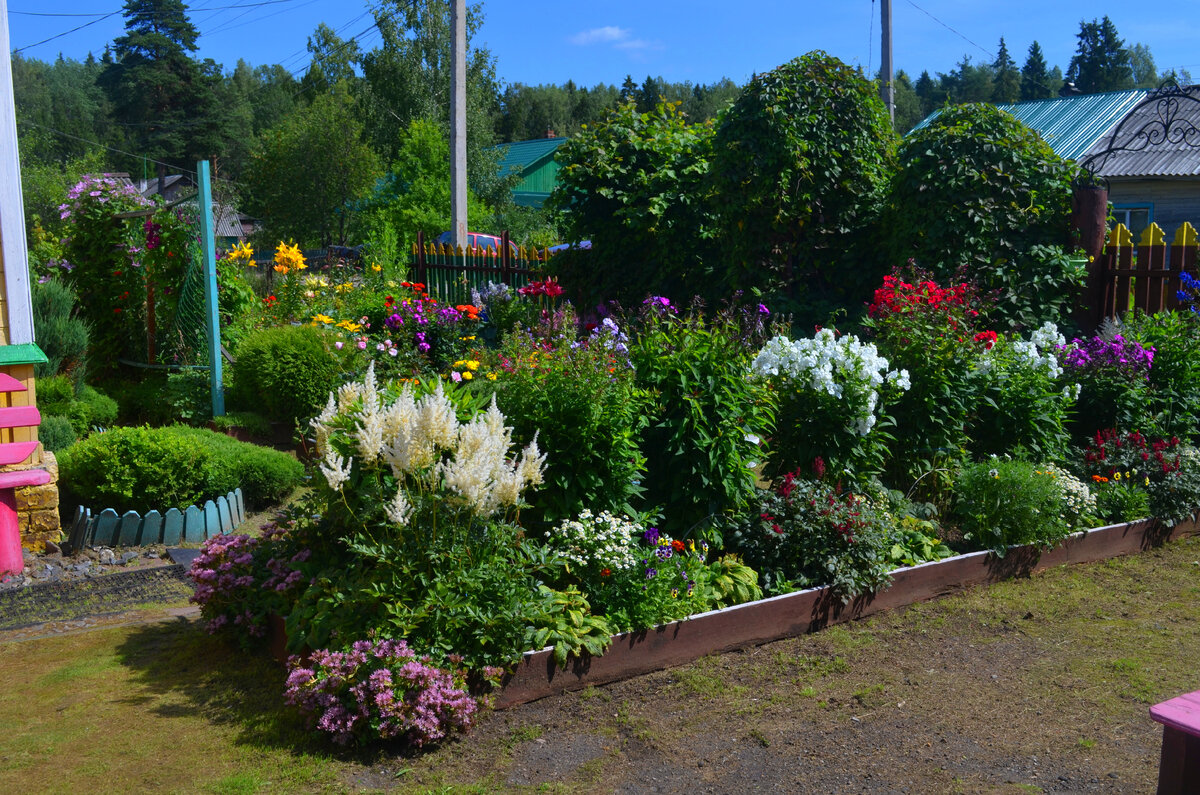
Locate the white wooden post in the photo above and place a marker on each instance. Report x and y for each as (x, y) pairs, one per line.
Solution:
(12, 213)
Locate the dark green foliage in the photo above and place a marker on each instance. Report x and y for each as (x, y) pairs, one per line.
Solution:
(704, 418)
(810, 533)
(1007, 84)
(85, 407)
(286, 373)
(1173, 402)
(581, 402)
(173, 467)
(56, 433)
(1002, 502)
(190, 395)
(1035, 79)
(800, 163)
(62, 335)
(976, 190)
(635, 186)
(1101, 61)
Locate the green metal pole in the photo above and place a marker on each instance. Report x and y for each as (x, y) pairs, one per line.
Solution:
(212, 317)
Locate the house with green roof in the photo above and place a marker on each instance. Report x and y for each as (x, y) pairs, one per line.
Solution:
(534, 161)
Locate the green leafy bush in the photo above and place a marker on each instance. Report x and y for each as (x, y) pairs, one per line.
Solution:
(285, 372)
(634, 185)
(56, 433)
(975, 192)
(580, 401)
(85, 407)
(800, 166)
(1173, 402)
(705, 418)
(62, 334)
(173, 467)
(808, 533)
(1003, 502)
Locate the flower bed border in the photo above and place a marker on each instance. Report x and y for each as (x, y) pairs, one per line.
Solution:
(766, 620)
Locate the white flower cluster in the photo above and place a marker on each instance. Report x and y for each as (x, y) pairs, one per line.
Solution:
(1040, 350)
(604, 540)
(1077, 498)
(844, 368)
(423, 442)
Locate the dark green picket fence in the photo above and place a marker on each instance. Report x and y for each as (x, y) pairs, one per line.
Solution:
(193, 525)
(450, 274)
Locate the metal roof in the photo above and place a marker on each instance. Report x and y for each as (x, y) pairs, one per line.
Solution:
(1173, 157)
(520, 155)
(1071, 125)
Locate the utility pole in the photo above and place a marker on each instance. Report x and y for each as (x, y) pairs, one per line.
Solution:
(458, 123)
(887, 90)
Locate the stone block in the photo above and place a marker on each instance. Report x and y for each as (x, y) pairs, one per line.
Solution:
(44, 522)
(37, 498)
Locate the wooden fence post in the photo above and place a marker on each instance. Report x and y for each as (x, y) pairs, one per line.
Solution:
(1089, 211)
(1117, 268)
(420, 263)
(505, 259)
(1150, 267)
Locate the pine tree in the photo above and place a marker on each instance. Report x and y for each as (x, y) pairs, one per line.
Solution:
(1101, 62)
(629, 89)
(1006, 84)
(162, 95)
(1034, 77)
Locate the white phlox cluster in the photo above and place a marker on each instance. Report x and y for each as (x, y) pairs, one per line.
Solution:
(411, 437)
(844, 368)
(1040, 350)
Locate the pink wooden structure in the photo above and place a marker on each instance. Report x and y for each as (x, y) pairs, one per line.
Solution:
(1179, 766)
(11, 560)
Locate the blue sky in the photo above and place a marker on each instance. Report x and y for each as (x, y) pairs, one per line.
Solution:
(535, 41)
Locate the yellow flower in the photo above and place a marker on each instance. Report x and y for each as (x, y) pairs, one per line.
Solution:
(1116, 476)
(344, 287)
(349, 325)
(241, 253)
(376, 268)
(322, 319)
(467, 376)
(473, 365)
(289, 258)
(491, 376)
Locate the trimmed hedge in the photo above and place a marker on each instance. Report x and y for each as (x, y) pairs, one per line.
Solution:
(174, 467)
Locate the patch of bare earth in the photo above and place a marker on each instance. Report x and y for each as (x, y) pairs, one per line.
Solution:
(1041, 684)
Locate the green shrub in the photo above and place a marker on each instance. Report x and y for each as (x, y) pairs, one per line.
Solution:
(800, 166)
(704, 417)
(254, 424)
(173, 467)
(85, 407)
(62, 334)
(1003, 502)
(189, 394)
(808, 533)
(1121, 501)
(978, 196)
(580, 401)
(1174, 379)
(56, 433)
(286, 373)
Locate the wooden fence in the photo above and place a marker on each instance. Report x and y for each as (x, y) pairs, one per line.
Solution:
(1145, 276)
(191, 526)
(450, 274)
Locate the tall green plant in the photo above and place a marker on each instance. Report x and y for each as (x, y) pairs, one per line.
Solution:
(61, 333)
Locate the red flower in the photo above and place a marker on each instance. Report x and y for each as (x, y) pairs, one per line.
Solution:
(678, 545)
(988, 338)
(605, 572)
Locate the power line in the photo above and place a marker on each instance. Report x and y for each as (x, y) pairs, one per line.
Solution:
(64, 33)
(952, 30)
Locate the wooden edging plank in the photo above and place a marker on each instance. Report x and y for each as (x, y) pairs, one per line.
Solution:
(797, 613)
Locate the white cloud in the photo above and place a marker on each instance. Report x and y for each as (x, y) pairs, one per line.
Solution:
(609, 33)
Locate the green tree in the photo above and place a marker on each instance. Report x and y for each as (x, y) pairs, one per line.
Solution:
(1101, 61)
(1145, 73)
(1006, 84)
(928, 93)
(908, 104)
(800, 165)
(1035, 79)
(164, 97)
(306, 174)
(968, 82)
(635, 185)
(333, 60)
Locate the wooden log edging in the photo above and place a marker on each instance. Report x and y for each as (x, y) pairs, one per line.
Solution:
(766, 620)
(193, 525)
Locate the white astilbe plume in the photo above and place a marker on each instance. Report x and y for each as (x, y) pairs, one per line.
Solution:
(398, 509)
(336, 469)
(347, 394)
(320, 425)
(370, 391)
(437, 420)
(369, 435)
(533, 463)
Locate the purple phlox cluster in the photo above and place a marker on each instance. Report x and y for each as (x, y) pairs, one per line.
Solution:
(1098, 353)
(660, 304)
(381, 687)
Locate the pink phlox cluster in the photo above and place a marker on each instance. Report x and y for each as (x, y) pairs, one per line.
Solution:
(381, 687)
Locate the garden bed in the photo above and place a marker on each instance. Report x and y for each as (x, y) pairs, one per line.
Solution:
(778, 617)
